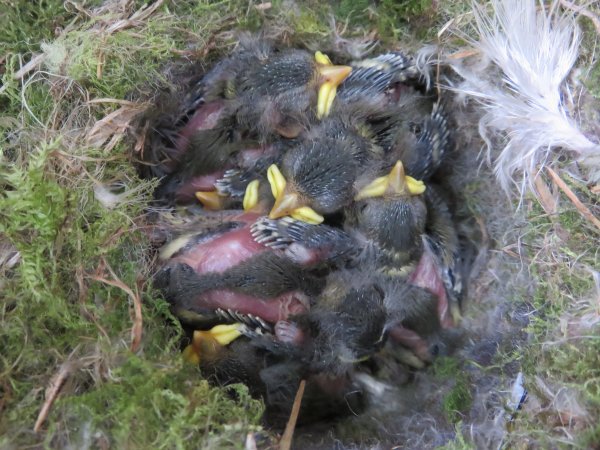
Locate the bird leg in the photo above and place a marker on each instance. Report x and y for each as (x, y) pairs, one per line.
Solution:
(289, 332)
(302, 242)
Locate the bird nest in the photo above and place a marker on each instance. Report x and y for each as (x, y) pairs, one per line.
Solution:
(92, 349)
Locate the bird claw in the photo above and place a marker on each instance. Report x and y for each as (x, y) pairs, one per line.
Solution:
(227, 184)
(254, 325)
(267, 232)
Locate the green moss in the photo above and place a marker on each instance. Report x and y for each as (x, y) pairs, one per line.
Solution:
(593, 81)
(55, 306)
(562, 351)
(24, 25)
(458, 399)
(160, 407)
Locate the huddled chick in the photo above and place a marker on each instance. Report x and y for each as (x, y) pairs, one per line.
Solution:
(323, 237)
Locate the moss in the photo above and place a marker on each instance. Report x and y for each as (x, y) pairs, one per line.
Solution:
(55, 308)
(458, 399)
(160, 407)
(24, 25)
(563, 348)
(593, 81)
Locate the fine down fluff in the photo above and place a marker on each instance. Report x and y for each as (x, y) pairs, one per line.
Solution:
(525, 55)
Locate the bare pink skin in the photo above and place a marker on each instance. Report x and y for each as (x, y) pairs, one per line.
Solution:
(224, 251)
(205, 118)
(204, 183)
(411, 340)
(248, 157)
(288, 332)
(427, 276)
(306, 256)
(272, 310)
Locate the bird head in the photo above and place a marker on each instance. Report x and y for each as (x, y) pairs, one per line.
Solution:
(330, 77)
(288, 201)
(395, 184)
(317, 178)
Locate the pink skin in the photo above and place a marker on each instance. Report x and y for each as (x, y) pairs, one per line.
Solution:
(224, 251)
(249, 156)
(411, 340)
(397, 92)
(205, 183)
(228, 250)
(205, 118)
(306, 256)
(427, 276)
(288, 332)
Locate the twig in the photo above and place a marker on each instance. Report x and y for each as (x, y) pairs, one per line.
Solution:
(33, 63)
(545, 197)
(52, 391)
(288, 434)
(136, 329)
(583, 210)
(584, 12)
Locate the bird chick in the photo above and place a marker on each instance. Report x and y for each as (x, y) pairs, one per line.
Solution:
(391, 212)
(224, 267)
(345, 326)
(417, 133)
(272, 94)
(374, 82)
(319, 176)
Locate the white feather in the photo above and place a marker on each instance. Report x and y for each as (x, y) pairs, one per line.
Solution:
(526, 53)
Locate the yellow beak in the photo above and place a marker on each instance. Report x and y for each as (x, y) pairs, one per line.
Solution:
(395, 183)
(284, 205)
(333, 77)
(207, 344)
(212, 201)
(288, 203)
(251, 195)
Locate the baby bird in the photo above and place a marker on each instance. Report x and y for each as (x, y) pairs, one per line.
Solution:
(417, 133)
(221, 266)
(316, 178)
(375, 83)
(345, 326)
(391, 214)
(271, 95)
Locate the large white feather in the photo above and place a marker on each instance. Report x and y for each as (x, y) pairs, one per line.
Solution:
(526, 53)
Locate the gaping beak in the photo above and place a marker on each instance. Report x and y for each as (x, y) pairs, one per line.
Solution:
(212, 201)
(209, 343)
(251, 195)
(332, 77)
(395, 183)
(287, 202)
